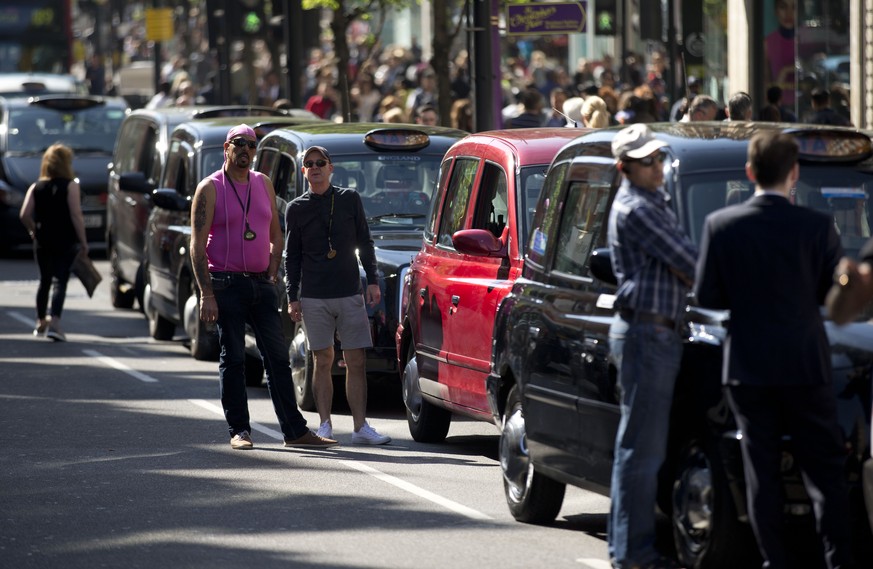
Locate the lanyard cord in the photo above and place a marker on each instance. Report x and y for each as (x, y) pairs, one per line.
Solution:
(248, 203)
(330, 224)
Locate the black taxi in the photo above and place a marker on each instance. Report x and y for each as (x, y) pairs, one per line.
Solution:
(553, 388)
(195, 149)
(395, 169)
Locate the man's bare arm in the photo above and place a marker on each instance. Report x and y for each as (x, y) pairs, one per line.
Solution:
(202, 212)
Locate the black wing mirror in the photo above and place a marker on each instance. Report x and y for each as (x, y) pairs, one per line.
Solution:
(601, 265)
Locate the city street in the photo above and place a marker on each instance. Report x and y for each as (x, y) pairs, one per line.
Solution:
(117, 455)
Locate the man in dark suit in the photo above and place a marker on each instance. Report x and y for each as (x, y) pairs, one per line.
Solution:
(771, 264)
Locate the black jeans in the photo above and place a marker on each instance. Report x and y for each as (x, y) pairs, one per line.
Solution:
(250, 298)
(54, 263)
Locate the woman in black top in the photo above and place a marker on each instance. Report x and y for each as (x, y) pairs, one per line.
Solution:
(52, 213)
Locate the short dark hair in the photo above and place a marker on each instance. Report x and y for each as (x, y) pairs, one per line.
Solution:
(772, 156)
(774, 94)
(531, 99)
(739, 105)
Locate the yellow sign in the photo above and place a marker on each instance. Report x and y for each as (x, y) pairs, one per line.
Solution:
(159, 24)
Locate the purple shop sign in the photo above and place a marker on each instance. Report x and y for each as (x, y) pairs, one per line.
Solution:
(546, 18)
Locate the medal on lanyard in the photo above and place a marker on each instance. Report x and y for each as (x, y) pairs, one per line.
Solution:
(248, 235)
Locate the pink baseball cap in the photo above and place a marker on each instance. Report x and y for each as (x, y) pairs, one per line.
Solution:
(240, 130)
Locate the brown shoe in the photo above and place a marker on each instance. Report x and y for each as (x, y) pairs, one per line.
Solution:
(242, 441)
(311, 440)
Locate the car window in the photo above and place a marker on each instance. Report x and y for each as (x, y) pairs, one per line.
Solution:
(35, 128)
(582, 226)
(842, 192)
(705, 194)
(546, 213)
(492, 206)
(430, 229)
(457, 198)
(127, 146)
(395, 189)
(211, 160)
(175, 174)
(532, 179)
(266, 162)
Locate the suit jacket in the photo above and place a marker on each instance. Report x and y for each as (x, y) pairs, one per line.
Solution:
(771, 264)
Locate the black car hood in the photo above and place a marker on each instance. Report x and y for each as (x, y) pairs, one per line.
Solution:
(22, 171)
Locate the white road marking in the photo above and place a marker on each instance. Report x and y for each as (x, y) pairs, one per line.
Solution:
(595, 563)
(420, 492)
(394, 481)
(106, 360)
(272, 433)
(21, 317)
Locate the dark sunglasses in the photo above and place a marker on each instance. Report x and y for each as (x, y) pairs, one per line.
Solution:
(319, 163)
(244, 142)
(649, 160)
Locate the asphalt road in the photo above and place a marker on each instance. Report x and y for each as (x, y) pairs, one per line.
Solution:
(116, 455)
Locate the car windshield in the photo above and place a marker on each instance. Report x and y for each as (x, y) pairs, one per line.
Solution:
(395, 189)
(35, 128)
(841, 192)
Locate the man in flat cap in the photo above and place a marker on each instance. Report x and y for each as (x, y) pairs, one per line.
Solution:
(653, 260)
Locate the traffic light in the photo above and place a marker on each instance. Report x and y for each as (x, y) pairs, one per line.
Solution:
(604, 18)
(250, 19)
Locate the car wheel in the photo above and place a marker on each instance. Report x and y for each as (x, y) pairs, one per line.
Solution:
(121, 294)
(203, 338)
(427, 422)
(159, 327)
(532, 497)
(706, 530)
(254, 370)
(302, 369)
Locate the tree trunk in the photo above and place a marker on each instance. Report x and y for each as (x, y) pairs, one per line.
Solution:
(338, 26)
(442, 49)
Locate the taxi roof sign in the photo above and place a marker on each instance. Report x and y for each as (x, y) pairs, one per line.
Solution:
(396, 139)
(832, 145)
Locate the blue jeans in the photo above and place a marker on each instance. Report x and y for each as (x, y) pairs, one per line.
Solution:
(647, 357)
(248, 299)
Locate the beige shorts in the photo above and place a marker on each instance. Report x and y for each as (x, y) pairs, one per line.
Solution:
(346, 316)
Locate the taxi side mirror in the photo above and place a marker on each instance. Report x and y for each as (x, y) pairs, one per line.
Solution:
(479, 242)
(601, 266)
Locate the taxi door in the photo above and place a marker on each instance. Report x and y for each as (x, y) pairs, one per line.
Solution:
(474, 284)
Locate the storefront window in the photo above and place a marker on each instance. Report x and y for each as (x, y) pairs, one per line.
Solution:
(806, 47)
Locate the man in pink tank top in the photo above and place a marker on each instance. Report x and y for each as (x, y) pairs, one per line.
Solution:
(236, 246)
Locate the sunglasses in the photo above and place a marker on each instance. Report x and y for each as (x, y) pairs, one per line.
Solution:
(649, 160)
(244, 142)
(319, 163)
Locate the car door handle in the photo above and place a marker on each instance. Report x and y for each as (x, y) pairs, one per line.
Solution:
(455, 299)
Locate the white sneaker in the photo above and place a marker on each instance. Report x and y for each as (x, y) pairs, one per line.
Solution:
(325, 431)
(368, 436)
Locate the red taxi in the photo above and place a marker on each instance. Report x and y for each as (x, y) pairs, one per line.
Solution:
(473, 250)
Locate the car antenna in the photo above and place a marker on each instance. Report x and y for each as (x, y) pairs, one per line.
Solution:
(575, 124)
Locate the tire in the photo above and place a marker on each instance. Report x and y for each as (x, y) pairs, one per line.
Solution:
(706, 531)
(532, 497)
(254, 370)
(302, 369)
(203, 338)
(427, 422)
(121, 294)
(159, 327)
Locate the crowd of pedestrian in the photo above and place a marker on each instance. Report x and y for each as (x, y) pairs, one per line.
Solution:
(392, 83)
